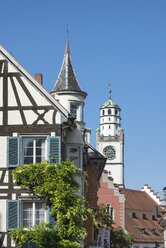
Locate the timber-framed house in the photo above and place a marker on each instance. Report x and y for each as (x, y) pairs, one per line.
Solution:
(33, 126)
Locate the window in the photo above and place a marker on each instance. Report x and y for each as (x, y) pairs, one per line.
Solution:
(109, 119)
(109, 127)
(34, 150)
(110, 210)
(103, 127)
(109, 111)
(74, 155)
(103, 120)
(33, 214)
(26, 213)
(103, 111)
(73, 109)
(116, 111)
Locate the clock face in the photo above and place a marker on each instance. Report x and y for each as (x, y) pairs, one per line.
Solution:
(110, 152)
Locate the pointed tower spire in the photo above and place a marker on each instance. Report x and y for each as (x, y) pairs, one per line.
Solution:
(67, 50)
(67, 80)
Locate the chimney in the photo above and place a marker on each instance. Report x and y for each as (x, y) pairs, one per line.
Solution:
(39, 78)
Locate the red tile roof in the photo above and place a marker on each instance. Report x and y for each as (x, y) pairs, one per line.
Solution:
(142, 229)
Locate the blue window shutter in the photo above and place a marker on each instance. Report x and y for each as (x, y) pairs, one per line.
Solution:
(12, 151)
(12, 216)
(54, 151)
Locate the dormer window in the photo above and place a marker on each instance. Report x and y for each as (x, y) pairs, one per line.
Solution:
(109, 111)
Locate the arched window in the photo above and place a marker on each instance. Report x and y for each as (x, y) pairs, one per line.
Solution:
(109, 111)
(116, 111)
(103, 111)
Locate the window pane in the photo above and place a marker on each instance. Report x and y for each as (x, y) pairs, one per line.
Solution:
(28, 160)
(39, 159)
(28, 151)
(39, 213)
(28, 142)
(40, 150)
(40, 142)
(74, 108)
(27, 214)
(74, 159)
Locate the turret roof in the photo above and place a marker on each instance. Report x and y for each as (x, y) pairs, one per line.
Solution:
(109, 103)
(67, 80)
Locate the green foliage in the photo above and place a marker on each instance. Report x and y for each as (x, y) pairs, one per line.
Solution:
(57, 186)
(42, 237)
(118, 237)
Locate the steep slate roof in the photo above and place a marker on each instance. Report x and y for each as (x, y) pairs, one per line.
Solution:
(140, 202)
(67, 80)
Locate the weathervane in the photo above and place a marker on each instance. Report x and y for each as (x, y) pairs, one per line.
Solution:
(109, 85)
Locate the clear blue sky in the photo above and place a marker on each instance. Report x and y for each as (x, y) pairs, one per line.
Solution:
(122, 42)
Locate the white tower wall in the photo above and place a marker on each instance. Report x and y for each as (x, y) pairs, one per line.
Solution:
(110, 140)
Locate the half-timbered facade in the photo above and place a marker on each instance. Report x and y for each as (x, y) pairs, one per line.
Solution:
(33, 127)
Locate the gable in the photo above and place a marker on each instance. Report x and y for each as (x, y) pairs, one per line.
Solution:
(23, 101)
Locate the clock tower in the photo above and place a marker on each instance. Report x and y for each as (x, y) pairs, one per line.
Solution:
(110, 140)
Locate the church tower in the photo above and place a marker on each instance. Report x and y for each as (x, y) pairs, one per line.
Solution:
(110, 140)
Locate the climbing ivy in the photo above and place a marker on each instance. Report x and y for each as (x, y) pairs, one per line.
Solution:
(58, 186)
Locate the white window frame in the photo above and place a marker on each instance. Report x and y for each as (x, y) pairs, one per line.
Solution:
(111, 211)
(79, 111)
(33, 212)
(34, 137)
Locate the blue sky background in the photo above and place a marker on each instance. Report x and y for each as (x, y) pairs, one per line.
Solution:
(122, 42)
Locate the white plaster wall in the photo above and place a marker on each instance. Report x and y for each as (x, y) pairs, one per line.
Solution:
(30, 116)
(66, 99)
(2, 215)
(23, 97)
(116, 172)
(76, 135)
(11, 96)
(11, 68)
(40, 100)
(59, 118)
(14, 117)
(3, 152)
(112, 131)
(116, 165)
